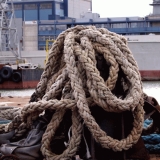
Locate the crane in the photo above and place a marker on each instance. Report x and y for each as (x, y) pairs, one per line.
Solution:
(8, 31)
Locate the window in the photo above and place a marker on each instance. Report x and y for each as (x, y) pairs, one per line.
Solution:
(102, 25)
(41, 48)
(60, 28)
(18, 10)
(133, 25)
(46, 29)
(59, 7)
(30, 12)
(45, 11)
(119, 25)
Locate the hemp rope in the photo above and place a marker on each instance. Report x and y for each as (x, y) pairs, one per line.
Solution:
(72, 75)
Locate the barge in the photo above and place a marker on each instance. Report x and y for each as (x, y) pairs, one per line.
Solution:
(21, 78)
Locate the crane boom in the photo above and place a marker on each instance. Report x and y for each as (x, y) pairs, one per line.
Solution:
(8, 30)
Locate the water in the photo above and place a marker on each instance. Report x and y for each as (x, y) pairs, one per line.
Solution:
(18, 92)
(151, 88)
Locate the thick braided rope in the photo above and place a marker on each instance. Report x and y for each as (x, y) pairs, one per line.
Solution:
(99, 91)
(99, 88)
(9, 112)
(74, 141)
(72, 81)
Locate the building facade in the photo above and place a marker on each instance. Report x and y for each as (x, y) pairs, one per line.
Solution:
(37, 17)
(37, 10)
(45, 20)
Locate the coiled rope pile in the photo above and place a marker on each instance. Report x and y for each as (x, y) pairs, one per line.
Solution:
(72, 81)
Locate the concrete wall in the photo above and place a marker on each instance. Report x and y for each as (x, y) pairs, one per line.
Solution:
(146, 54)
(36, 57)
(76, 8)
(146, 50)
(90, 15)
(30, 38)
(156, 9)
(143, 38)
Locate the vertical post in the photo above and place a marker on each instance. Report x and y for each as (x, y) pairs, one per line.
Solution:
(123, 135)
(93, 149)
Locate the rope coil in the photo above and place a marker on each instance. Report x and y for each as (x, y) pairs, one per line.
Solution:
(72, 81)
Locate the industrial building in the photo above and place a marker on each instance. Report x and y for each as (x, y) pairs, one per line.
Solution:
(33, 13)
(37, 10)
(45, 20)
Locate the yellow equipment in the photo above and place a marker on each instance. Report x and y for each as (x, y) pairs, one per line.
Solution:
(48, 48)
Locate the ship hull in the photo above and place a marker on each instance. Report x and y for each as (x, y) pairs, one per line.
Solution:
(150, 75)
(30, 79)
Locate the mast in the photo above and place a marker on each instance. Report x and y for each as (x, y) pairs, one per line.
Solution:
(8, 31)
